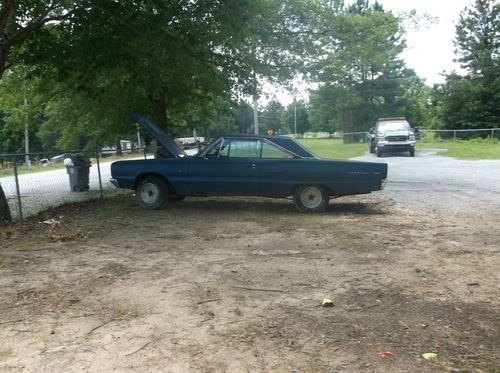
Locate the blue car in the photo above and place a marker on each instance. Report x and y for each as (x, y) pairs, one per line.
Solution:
(245, 165)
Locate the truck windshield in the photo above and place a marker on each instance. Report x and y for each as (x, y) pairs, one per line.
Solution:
(394, 126)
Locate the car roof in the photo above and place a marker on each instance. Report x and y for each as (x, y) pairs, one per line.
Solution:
(285, 142)
(175, 150)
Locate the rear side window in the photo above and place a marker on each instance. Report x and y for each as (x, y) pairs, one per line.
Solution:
(269, 151)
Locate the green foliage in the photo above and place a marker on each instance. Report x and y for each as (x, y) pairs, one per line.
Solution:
(471, 101)
(179, 63)
(296, 113)
(362, 76)
(477, 39)
(19, 106)
(272, 116)
(334, 148)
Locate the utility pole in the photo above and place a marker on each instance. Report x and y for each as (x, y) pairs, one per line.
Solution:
(255, 107)
(295, 117)
(255, 115)
(26, 138)
(138, 138)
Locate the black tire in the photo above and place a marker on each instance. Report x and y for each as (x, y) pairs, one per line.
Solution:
(310, 198)
(379, 152)
(372, 147)
(412, 152)
(151, 193)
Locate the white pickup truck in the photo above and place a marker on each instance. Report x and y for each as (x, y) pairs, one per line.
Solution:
(392, 135)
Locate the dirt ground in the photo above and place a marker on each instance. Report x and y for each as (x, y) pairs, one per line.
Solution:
(236, 285)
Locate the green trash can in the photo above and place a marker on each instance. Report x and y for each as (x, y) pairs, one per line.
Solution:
(78, 169)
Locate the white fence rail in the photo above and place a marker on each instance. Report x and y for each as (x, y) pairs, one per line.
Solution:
(423, 133)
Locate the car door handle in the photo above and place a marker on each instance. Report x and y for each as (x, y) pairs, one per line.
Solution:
(250, 165)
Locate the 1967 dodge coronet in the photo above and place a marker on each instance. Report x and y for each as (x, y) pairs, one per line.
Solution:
(245, 165)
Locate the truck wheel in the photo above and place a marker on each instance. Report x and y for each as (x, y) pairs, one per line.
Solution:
(151, 192)
(412, 152)
(372, 148)
(310, 198)
(379, 152)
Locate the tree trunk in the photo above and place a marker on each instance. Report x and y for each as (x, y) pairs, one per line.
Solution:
(160, 111)
(7, 26)
(3, 60)
(5, 216)
(119, 147)
(160, 114)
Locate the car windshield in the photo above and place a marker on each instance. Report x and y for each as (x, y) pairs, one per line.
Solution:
(394, 126)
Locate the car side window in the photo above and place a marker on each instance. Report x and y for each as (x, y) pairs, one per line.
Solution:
(214, 152)
(270, 151)
(242, 148)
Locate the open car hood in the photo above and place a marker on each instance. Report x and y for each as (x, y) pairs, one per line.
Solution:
(167, 143)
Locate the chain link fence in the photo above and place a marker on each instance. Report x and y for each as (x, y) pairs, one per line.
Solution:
(37, 181)
(429, 135)
(484, 133)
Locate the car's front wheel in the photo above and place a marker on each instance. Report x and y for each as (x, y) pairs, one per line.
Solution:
(412, 152)
(151, 192)
(310, 198)
(379, 152)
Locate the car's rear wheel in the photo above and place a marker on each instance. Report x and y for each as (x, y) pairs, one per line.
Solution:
(310, 198)
(151, 192)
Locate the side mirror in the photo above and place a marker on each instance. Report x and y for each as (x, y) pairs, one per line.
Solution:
(416, 130)
(371, 131)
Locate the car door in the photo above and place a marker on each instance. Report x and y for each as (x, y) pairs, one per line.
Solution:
(278, 170)
(227, 168)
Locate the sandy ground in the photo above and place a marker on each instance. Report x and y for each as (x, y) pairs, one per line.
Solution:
(236, 285)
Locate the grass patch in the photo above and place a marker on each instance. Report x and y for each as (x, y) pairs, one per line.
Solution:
(474, 149)
(6, 261)
(334, 148)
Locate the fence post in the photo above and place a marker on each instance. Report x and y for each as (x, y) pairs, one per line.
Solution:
(5, 216)
(454, 135)
(18, 192)
(492, 133)
(99, 173)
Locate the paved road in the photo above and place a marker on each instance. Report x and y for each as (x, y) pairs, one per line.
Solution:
(441, 184)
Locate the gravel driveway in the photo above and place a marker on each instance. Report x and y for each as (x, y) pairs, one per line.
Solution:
(441, 184)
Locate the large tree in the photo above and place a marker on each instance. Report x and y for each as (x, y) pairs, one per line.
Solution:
(471, 100)
(477, 39)
(20, 18)
(163, 59)
(361, 74)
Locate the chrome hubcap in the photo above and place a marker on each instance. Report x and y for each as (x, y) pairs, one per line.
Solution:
(149, 193)
(311, 197)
